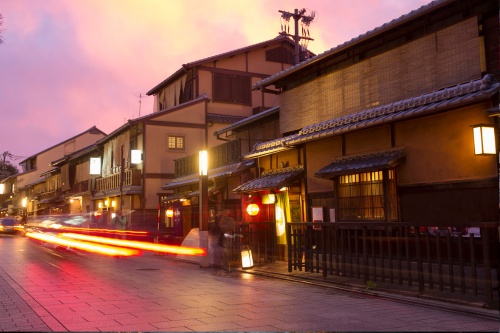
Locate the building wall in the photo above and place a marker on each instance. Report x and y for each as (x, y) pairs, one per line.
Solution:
(447, 57)
(318, 154)
(440, 181)
(44, 159)
(440, 148)
(253, 63)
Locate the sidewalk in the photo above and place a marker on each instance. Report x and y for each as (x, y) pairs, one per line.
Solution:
(401, 293)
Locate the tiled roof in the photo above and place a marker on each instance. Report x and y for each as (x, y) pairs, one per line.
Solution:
(423, 10)
(92, 130)
(222, 118)
(460, 95)
(190, 194)
(362, 163)
(457, 96)
(248, 120)
(182, 181)
(272, 179)
(186, 67)
(273, 146)
(227, 170)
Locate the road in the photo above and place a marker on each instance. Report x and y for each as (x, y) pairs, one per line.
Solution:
(46, 289)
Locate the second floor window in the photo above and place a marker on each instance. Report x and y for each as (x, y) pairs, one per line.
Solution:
(231, 88)
(175, 142)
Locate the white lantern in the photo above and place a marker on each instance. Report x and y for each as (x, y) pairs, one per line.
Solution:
(484, 140)
(246, 258)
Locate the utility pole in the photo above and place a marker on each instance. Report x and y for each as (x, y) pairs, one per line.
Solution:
(305, 21)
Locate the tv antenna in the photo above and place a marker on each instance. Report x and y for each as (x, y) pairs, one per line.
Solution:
(140, 101)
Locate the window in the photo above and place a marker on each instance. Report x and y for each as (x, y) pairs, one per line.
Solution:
(361, 196)
(280, 54)
(29, 164)
(175, 142)
(231, 88)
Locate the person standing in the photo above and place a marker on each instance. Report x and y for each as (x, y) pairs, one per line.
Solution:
(228, 227)
(120, 222)
(216, 246)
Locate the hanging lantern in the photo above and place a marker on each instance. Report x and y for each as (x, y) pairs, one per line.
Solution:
(484, 139)
(252, 209)
(246, 257)
(170, 213)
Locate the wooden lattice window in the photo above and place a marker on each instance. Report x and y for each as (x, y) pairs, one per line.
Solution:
(176, 142)
(231, 88)
(361, 196)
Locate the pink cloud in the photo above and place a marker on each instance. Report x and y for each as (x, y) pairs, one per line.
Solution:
(68, 65)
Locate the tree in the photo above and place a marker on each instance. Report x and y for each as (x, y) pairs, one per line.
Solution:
(7, 169)
(1, 22)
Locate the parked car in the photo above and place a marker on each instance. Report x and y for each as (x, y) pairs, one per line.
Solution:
(8, 225)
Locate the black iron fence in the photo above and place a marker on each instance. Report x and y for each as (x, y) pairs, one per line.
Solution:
(260, 237)
(455, 260)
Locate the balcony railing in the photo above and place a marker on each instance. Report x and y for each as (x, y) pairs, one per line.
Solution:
(131, 177)
(226, 153)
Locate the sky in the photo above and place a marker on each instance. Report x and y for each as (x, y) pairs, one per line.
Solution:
(68, 65)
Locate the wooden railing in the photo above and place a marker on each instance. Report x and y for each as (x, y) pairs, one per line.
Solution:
(131, 177)
(229, 152)
(447, 260)
(79, 187)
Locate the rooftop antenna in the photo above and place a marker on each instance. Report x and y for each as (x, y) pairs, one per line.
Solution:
(140, 102)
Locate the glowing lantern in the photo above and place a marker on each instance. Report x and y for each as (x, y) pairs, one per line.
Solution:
(246, 258)
(484, 140)
(170, 213)
(252, 209)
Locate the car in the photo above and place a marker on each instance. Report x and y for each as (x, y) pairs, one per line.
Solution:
(8, 225)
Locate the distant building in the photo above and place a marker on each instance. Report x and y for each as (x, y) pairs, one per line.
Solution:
(38, 188)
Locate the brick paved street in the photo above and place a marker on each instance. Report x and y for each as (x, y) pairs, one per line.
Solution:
(54, 290)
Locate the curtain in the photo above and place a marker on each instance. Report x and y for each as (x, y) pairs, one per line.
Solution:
(282, 216)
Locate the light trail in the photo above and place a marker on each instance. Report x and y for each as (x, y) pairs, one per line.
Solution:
(85, 246)
(183, 250)
(60, 227)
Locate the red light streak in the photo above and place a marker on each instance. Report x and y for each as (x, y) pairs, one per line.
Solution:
(183, 250)
(110, 231)
(85, 246)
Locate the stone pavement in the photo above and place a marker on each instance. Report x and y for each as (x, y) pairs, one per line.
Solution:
(45, 290)
(401, 293)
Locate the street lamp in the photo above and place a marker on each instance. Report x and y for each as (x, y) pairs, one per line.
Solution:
(24, 203)
(203, 204)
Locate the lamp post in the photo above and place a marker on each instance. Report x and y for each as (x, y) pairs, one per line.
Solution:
(203, 205)
(25, 210)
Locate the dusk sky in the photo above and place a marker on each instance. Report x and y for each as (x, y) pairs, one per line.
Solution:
(67, 65)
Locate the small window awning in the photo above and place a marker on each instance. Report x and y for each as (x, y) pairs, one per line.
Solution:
(191, 194)
(51, 200)
(227, 170)
(362, 163)
(272, 180)
(177, 196)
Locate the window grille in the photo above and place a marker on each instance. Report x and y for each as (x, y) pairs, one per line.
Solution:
(175, 142)
(361, 196)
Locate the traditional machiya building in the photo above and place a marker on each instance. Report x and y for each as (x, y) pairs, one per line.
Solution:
(76, 181)
(226, 80)
(381, 128)
(37, 189)
(134, 160)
